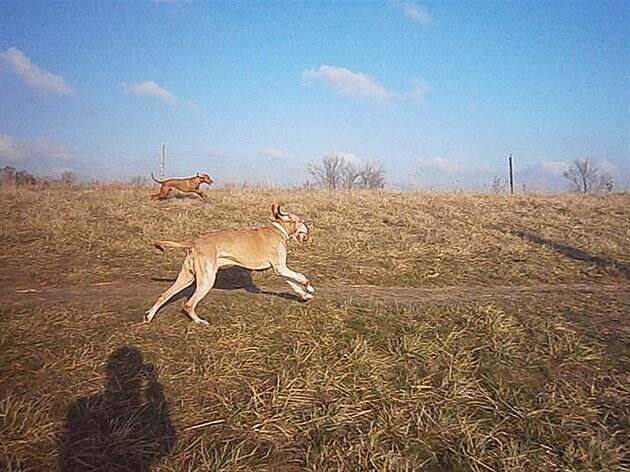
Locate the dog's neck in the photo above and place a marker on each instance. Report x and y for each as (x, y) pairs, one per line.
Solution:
(281, 228)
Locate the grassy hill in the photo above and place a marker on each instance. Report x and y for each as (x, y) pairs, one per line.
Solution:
(449, 332)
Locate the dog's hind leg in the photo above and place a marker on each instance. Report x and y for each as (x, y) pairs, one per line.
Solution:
(206, 274)
(185, 278)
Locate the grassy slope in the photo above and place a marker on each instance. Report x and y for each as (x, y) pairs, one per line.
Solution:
(530, 383)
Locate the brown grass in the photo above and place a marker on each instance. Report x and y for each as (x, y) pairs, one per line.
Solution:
(533, 381)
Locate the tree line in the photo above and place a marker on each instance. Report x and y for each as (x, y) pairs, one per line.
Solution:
(12, 176)
(336, 171)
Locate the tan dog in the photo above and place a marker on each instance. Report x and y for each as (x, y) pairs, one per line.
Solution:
(190, 184)
(255, 249)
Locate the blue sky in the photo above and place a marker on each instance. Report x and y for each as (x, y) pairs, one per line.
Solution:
(439, 93)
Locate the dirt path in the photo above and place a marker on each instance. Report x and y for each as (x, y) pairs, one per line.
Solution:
(22, 295)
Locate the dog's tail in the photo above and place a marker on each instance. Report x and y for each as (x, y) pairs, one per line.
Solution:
(154, 179)
(162, 244)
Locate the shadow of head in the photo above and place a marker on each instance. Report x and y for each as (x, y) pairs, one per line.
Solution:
(126, 427)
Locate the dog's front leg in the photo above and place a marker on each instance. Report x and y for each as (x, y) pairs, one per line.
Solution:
(298, 282)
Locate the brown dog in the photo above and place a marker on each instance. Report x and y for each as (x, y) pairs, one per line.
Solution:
(190, 184)
(255, 249)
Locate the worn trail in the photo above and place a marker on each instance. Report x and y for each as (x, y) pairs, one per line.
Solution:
(24, 295)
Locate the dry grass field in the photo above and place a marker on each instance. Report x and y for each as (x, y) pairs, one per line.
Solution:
(449, 332)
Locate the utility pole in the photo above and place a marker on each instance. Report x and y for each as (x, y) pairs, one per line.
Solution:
(511, 176)
(162, 155)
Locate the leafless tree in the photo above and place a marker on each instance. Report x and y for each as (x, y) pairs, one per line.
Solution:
(23, 177)
(328, 173)
(7, 175)
(586, 177)
(335, 171)
(68, 177)
(372, 175)
(350, 174)
(606, 182)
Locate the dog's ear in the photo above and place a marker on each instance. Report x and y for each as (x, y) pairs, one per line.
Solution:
(278, 214)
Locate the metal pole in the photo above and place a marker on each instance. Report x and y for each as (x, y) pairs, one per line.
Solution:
(162, 155)
(511, 176)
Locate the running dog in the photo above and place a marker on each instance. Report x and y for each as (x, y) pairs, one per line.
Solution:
(254, 249)
(190, 184)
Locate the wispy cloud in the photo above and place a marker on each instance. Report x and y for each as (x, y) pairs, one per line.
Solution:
(358, 84)
(149, 88)
(554, 168)
(349, 157)
(193, 105)
(349, 83)
(40, 149)
(275, 154)
(415, 12)
(440, 164)
(17, 62)
(557, 168)
(420, 89)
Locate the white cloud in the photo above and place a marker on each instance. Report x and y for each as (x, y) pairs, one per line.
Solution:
(194, 106)
(9, 151)
(420, 89)
(275, 154)
(555, 168)
(349, 83)
(359, 84)
(415, 12)
(350, 158)
(149, 88)
(12, 151)
(441, 164)
(18, 63)
(608, 167)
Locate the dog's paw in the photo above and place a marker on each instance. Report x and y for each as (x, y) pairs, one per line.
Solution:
(307, 296)
(309, 288)
(201, 321)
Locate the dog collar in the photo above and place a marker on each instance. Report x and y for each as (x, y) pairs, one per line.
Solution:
(282, 229)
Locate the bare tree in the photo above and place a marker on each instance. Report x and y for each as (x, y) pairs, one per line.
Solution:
(24, 177)
(350, 174)
(584, 175)
(335, 171)
(68, 177)
(328, 172)
(372, 175)
(498, 185)
(7, 175)
(606, 182)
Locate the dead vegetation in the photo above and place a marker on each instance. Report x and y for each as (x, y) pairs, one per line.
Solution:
(532, 381)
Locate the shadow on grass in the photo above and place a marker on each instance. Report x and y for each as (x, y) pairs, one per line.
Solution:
(231, 278)
(127, 427)
(574, 252)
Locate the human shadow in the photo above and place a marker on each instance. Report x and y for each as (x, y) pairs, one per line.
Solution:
(574, 252)
(125, 428)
